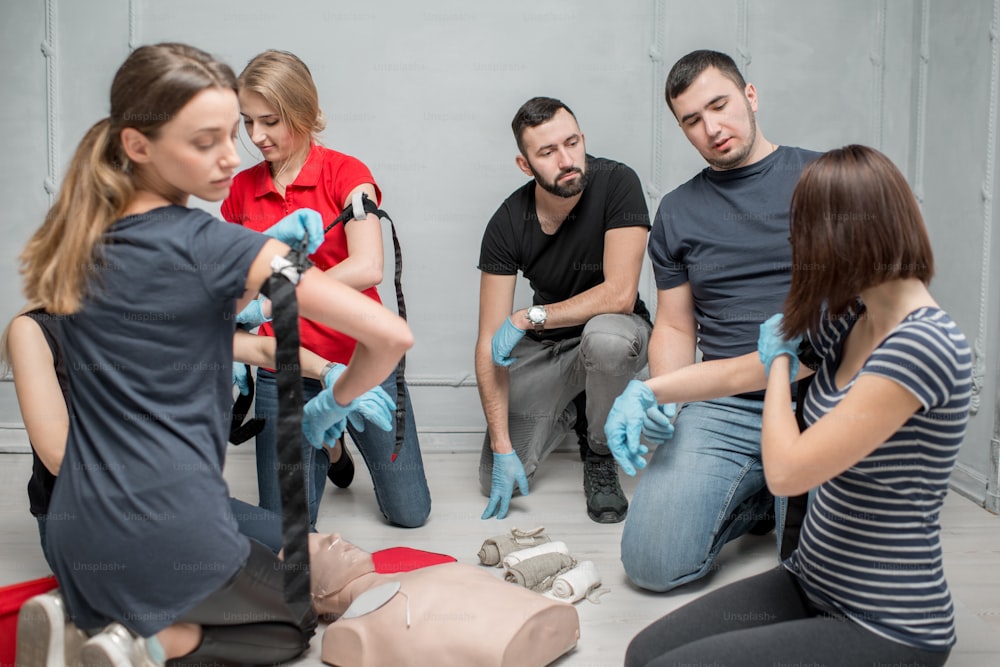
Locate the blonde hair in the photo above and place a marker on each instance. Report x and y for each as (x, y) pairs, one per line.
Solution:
(62, 258)
(285, 83)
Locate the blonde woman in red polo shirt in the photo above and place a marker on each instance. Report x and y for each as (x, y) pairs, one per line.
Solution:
(280, 109)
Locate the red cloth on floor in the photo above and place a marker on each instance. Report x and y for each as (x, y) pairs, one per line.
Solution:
(405, 559)
(11, 599)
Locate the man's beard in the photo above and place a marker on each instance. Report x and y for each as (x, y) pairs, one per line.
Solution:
(572, 189)
(736, 159)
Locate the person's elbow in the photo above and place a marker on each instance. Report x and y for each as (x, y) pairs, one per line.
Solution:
(399, 339)
(782, 481)
(371, 273)
(622, 301)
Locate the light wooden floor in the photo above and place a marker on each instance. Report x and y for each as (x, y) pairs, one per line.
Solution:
(971, 543)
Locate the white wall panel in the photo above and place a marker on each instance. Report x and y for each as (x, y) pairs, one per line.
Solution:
(424, 94)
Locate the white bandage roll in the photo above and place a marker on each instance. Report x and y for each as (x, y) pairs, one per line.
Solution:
(516, 557)
(574, 585)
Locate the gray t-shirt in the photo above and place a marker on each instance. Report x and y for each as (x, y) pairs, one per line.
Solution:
(726, 233)
(141, 529)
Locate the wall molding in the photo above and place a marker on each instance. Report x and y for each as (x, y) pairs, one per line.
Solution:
(979, 347)
(50, 52)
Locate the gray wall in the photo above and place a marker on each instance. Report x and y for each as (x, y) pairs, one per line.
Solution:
(424, 92)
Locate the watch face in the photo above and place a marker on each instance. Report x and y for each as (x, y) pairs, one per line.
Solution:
(536, 314)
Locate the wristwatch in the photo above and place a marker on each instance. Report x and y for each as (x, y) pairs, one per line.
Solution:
(536, 315)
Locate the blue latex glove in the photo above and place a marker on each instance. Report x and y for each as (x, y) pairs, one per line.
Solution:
(504, 341)
(324, 419)
(507, 469)
(293, 227)
(771, 344)
(240, 377)
(657, 426)
(252, 315)
(624, 426)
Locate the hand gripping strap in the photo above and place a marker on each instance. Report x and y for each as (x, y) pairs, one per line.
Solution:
(294, 508)
(238, 431)
(352, 213)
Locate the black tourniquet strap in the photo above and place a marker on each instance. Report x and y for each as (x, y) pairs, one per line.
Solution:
(240, 432)
(294, 508)
(345, 216)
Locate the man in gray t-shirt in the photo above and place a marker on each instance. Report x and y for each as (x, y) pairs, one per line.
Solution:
(722, 262)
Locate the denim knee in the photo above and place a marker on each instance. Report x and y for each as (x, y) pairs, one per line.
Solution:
(651, 571)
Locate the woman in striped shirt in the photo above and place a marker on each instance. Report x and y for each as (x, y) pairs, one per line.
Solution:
(886, 415)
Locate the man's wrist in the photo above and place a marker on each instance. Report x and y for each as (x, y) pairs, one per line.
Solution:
(520, 319)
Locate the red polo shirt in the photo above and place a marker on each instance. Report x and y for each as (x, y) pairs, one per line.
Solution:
(325, 181)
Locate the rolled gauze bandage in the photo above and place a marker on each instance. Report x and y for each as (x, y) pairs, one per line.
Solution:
(524, 554)
(538, 573)
(574, 585)
(496, 548)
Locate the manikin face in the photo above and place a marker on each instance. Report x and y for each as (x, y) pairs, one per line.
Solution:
(194, 153)
(555, 155)
(266, 129)
(334, 563)
(718, 119)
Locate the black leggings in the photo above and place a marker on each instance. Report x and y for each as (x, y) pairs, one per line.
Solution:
(765, 620)
(247, 621)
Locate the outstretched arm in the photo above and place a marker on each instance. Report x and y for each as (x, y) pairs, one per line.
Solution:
(496, 298)
(260, 351)
(383, 337)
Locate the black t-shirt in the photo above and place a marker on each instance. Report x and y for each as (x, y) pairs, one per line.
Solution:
(42, 481)
(561, 265)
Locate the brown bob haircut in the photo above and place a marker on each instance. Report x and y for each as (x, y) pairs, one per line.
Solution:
(855, 224)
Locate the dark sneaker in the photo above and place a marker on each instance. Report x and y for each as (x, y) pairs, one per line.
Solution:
(45, 635)
(341, 471)
(606, 502)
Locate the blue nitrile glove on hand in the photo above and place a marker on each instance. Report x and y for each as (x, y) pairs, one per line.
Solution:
(324, 419)
(504, 341)
(293, 227)
(252, 315)
(657, 426)
(507, 469)
(240, 377)
(771, 343)
(624, 426)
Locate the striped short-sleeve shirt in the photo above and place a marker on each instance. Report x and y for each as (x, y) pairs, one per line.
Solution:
(870, 545)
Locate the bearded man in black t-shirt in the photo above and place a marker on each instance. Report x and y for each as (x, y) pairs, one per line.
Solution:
(577, 232)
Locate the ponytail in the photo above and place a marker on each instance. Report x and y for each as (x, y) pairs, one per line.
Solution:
(63, 256)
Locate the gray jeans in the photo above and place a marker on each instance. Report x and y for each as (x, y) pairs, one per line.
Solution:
(548, 375)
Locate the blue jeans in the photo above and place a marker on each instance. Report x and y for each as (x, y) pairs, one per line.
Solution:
(400, 486)
(701, 489)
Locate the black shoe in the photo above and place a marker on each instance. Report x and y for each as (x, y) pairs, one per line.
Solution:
(606, 502)
(341, 471)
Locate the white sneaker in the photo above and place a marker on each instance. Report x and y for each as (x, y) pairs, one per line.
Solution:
(45, 635)
(116, 646)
